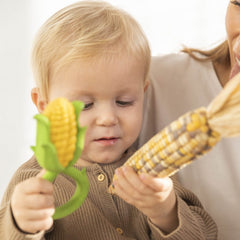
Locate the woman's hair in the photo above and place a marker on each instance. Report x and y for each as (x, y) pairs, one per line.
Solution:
(86, 30)
(219, 54)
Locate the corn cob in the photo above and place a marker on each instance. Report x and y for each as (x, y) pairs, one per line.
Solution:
(189, 137)
(175, 146)
(63, 128)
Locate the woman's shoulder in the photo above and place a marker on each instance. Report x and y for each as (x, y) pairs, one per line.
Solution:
(178, 68)
(176, 61)
(176, 57)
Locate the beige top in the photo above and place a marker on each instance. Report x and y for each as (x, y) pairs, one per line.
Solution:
(180, 84)
(105, 216)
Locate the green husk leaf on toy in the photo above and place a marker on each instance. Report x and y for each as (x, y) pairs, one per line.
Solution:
(59, 144)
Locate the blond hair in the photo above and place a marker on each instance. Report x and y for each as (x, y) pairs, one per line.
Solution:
(219, 54)
(85, 30)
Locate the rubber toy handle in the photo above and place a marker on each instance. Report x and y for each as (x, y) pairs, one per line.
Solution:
(81, 191)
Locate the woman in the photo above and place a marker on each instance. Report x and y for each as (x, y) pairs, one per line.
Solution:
(186, 81)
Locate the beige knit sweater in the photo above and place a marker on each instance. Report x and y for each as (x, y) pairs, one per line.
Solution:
(104, 216)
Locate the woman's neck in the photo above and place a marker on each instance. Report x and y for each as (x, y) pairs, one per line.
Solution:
(222, 72)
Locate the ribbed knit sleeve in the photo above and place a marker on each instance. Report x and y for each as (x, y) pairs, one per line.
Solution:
(194, 222)
(8, 228)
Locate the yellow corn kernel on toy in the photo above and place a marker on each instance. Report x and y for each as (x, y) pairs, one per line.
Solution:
(191, 136)
(63, 130)
(59, 143)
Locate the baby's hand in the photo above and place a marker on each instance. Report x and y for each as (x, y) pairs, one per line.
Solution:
(32, 204)
(153, 196)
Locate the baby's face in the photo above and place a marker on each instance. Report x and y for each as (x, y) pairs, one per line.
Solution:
(113, 93)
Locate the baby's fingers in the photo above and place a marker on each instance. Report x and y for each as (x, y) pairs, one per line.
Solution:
(129, 187)
(30, 193)
(35, 185)
(39, 201)
(36, 225)
(157, 184)
(41, 173)
(128, 179)
(38, 215)
(32, 221)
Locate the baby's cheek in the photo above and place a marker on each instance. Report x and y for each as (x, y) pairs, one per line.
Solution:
(135, 123)
(86, 139)
(83, 119)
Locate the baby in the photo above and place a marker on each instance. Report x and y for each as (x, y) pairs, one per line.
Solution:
(98, 54)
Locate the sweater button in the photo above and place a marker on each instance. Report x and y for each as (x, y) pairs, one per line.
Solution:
(119, 230)
(101, 177)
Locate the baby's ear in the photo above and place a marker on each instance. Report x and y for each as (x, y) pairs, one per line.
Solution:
(38, 100)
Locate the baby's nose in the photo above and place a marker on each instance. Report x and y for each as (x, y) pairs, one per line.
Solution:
(108, 117)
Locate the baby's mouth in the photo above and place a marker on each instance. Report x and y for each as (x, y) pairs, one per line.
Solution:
(107, 140)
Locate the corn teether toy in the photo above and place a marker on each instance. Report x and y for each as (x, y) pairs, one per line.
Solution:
(59, 143)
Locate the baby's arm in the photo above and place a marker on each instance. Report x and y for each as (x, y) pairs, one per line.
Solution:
(154, 197)
(32, 204)
(173, 212)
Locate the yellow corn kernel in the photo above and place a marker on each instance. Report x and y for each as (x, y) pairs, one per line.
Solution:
(63, 128)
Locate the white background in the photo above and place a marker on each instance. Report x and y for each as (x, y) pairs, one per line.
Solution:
(169, 24)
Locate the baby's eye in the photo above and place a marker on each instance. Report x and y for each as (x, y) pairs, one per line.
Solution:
(124, 103)
(88, 106)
